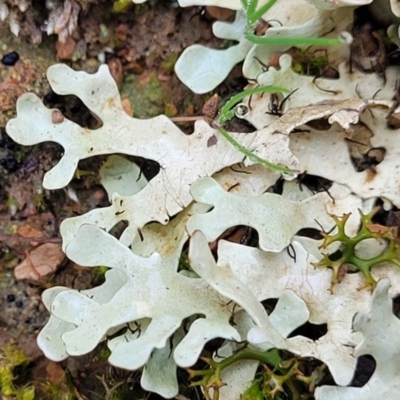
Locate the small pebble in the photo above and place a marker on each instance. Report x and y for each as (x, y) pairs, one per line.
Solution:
(10, 59)
(19, 303)
(57, 117)
(5, 141)
(10, 298)
(9, 163)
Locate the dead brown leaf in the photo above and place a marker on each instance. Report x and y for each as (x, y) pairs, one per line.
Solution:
(221, 14)
(40, 262)
(127, 106)
(55, 373)
(116, 71)
(66, 50)
(28, 231)
(210, 107)
(377, 228)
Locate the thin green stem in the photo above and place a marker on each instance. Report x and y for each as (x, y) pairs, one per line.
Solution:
(249, 6)
(270, 357)
(253, 15)
(226, 111)
(251, 156)
(292, 41)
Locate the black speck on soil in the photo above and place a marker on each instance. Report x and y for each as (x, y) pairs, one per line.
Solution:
(10, 298)
(10, 59)
(20, 302)
(9, 163)
(5, 141)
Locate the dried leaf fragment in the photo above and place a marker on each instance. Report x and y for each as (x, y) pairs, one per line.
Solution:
(42, 261)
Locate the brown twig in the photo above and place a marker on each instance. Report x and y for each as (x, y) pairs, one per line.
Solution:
(187, 119)
(19, 238)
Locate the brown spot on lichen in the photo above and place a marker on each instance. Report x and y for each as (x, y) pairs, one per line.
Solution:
(57, 117)
(212, 141)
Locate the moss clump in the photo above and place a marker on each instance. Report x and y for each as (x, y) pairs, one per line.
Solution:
(145, 94)
(13, 357)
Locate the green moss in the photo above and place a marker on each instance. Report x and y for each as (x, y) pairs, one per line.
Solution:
(170, 110)
(309, 62)
(145, 94)
(40, 202)
(121, 5)
(12, 358)
(188, 100)
(59, 391)
(34, 60)
(169, 63)
(104, 353)
(141, 8)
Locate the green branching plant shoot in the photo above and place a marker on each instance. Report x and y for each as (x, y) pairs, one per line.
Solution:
(278, 377)
(349, 256)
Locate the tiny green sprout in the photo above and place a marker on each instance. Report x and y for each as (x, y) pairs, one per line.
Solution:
(309, 62)
(121, 5)
(100, 270)
(82, 172)
(253, 15)
(368, 230)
